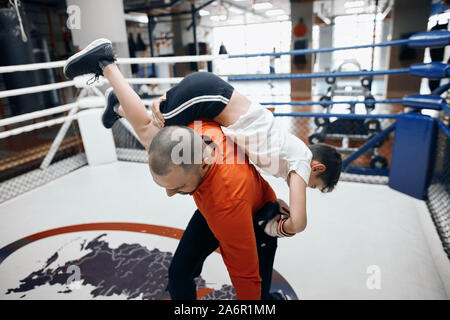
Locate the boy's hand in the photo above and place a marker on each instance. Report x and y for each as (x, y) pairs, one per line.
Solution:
(157, 117)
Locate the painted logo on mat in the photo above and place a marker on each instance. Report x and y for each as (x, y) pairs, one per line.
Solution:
(102, 269)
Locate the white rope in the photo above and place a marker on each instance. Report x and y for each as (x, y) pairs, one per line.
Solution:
(156, 60)
(38, 114)
(41, 88)
(176, 59)
(153, 80)
(159, 80)
(33, 66)
(36, 126)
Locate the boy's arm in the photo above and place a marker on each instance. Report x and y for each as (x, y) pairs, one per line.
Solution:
(297, 204)
(288, 221)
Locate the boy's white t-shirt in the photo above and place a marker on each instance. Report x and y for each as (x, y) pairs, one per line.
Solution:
(268, 145)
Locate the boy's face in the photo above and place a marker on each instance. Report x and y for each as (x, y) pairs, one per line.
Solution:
(315, 182)
(316, 169)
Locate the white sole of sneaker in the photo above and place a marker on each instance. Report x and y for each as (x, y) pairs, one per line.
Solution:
(89, 47)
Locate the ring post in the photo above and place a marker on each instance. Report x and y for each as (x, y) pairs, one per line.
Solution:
(98, 142)
(411, 161)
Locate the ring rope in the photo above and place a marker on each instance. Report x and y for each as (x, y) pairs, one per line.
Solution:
(422, 40)
(327, 103)
(321, 75)
(36, 126)
(35, 89)
(38, 114)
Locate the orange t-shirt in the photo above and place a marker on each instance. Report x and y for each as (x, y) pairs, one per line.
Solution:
(231, 192)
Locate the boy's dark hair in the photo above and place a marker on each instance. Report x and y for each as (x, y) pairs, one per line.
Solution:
(332, 160)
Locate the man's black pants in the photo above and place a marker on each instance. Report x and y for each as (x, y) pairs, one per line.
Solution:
(197, 243)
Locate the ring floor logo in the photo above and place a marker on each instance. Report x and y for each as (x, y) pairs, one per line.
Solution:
(106, 261)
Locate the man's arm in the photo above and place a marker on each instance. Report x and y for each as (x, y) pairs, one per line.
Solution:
(232, 225)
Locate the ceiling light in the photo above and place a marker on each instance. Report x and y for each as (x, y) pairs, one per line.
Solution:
(219, 18)
(236, 10)
(276, 12)
(283, 17)
(262, 6)
(204, 13)
(354, 10)
(353, 4)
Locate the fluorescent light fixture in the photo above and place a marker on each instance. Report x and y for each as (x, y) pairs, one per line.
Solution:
(219, 18)
(276, 12)
(353, 4)
(139, 18)
(262, 6)
(204, 13)
(283, 17)
(240, 0)
(354, 10)
(236, 10)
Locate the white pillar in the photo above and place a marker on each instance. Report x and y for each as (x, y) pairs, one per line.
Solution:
(101, 19)
(324, 60)
(98, 142)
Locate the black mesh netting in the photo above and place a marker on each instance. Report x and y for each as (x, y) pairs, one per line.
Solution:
(439, 191)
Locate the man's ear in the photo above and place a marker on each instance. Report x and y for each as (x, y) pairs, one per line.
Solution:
(207, 158)
(317, 166)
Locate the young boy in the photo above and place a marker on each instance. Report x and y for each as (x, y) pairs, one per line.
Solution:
(271, 148)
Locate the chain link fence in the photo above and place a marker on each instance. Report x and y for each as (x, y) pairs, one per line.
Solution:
(438, 192)
(22, 155)
(347, 135)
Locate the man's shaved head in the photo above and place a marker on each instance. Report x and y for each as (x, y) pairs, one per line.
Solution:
(175, 145)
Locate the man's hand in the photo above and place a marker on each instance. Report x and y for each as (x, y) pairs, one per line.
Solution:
(271, 218)
(274, 226)
(157, 117)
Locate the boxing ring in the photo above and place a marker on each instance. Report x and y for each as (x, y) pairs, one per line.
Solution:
(92, 224)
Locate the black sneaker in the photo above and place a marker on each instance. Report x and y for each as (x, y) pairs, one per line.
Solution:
(92, 59)
(110, 115)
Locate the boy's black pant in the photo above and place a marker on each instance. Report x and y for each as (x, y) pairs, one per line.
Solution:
(197, 243)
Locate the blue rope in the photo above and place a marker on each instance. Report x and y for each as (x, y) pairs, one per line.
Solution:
(443, 128)
(321, 75)
(321, 50)
(338, 115)
(327, 103)
(445, 108)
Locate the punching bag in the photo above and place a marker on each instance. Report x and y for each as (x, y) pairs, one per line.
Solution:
(46, 76)
(15, 51)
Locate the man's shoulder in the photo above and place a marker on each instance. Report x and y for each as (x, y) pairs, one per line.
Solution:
(204, 124)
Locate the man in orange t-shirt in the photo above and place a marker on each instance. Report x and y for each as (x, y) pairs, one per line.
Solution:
(228, 192)
(227, 189)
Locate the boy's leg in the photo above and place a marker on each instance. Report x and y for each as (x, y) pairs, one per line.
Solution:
(196, 244)
(98, 59)
(131, 106)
